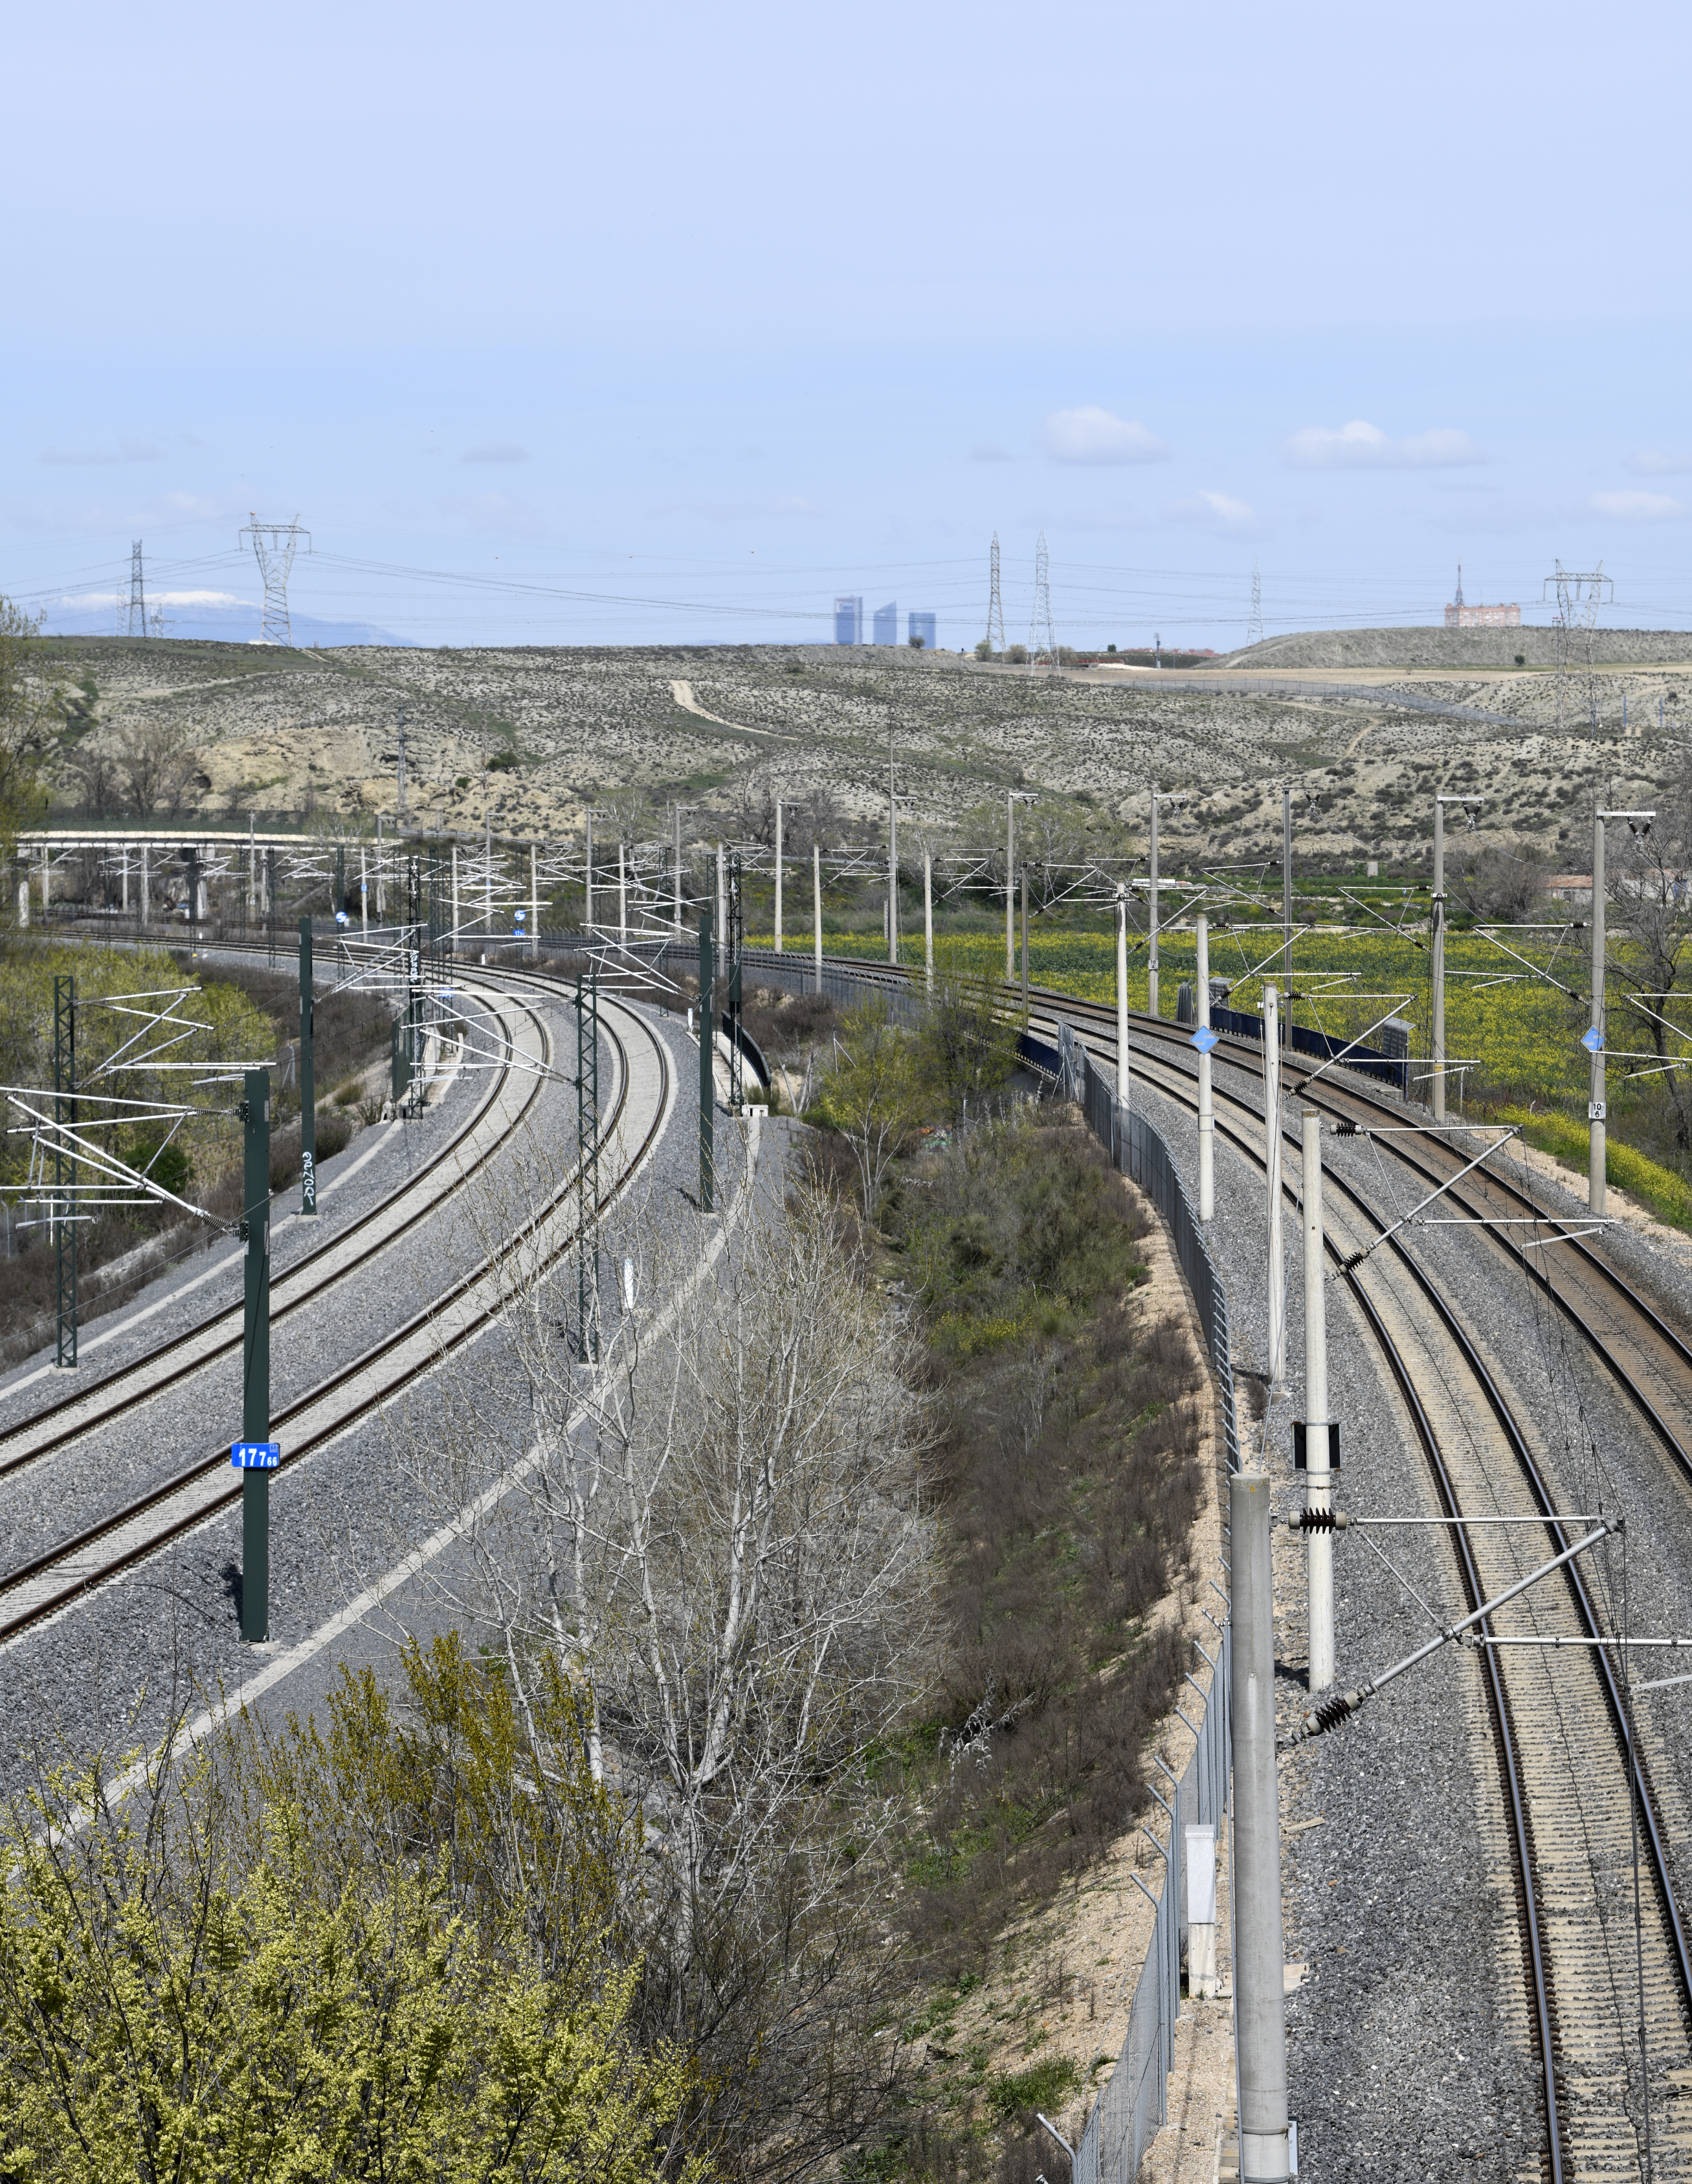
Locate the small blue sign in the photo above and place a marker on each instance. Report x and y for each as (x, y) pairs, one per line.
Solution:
(1593, 1040)
(1205, 1038)
(256, 1455)
(343, 918)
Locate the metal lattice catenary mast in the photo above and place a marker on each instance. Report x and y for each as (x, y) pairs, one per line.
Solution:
(273, 546)
(995, 607)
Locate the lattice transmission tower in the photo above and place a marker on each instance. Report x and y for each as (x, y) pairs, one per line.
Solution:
(1579, 593)
(137, 594)
(995, 608)
(273, 546)
(1040, 626)
(1254, 628)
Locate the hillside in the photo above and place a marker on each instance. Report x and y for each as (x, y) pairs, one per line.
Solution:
(302, 734)
(1458, 648)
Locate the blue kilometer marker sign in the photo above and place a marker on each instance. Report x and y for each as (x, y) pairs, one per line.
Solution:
(1205, 1038)
(1593, 1040)
(256, 1455)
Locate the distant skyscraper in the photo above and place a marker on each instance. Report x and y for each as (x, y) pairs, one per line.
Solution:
(922, 625)
(849, 621)
(886, 623)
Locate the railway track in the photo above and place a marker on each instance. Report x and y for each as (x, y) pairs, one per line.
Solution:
(344, 1254)
(631, 1124)
(1566, 1744)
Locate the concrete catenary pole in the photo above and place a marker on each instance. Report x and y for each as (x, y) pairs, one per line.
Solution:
(1272, 1123)
(1121, 1015)
(1025, 944)
(927, 914)
(1151, 916)
(1287, 889)
(146, 889)
(535, 901)
(308, 1075)
(1259, 1944)
(363, 894)
(1436, 941)
(707, 1074)
(722, 905)
(455, 896)
(587, 878)
(1010, 885)
(893, 860)
(675, 872)
(622, 892)
(778, 875)
(1595, 1099)
(1318, 1476)
(125, 875)
(816, 906)
(1207, 1113)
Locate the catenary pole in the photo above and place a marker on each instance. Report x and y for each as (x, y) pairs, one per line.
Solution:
(1151, 922)
(1287, 889)
(1025, 944)
(1596, 1097)
(1121, 1016)
(363, 894)
(893, 860)
(816, 905)
(622, 893)
(1318, 1475)
(535, 901)
(778, 875)
(1436, 919)
(255, 1358)
(1207, 1113)
(145, 888)
(1272, 1123)
(1010, 885)
(707, 1076)
(1258, 1941)
(722, 903)
(588, 876)
(308, 1076)
(927, 914)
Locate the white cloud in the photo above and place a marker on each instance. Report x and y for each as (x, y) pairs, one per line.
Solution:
(497, 451)
(1639, 507)
(1217, 511)
(1360, 446)
(127, 451)
(989, 451)
(1095, 436)
(1658, 462)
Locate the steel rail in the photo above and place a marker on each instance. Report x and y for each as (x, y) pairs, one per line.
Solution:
(203, 1509)
(86, 1402)
(1616, 1704)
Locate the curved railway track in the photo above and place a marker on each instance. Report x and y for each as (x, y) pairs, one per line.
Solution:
(1565, 1742)
(343, 1254)
(629, 1125)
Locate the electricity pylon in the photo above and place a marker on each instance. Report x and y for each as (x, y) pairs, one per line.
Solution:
(995, 609)
(273, 546)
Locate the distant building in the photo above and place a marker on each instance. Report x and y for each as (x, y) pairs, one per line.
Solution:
(849, 621)
(886, 624)
(921, 625)
(1458, 616)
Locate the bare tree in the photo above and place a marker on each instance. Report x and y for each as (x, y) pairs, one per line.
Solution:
(158, 764)
(1649, 882)
(31, 706)
(95, 772)
(721, 1536)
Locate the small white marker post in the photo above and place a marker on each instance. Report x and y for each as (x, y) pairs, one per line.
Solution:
(1318, 1475)
(1204, 1042)
(1272, 1123)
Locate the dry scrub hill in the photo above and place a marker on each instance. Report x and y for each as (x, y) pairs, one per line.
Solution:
(288, 732)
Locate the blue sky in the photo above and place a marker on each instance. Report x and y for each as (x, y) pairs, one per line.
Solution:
(659, 324)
